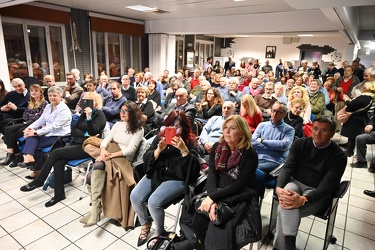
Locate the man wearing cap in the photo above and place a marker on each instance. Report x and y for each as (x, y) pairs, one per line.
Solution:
(330, 71)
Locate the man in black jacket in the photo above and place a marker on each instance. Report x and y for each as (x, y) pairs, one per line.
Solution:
(14, 103)
(311, 174)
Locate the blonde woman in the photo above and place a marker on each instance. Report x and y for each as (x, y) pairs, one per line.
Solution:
(34, 110)
(301, 92)
(250, 111)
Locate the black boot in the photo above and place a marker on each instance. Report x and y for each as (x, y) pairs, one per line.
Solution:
(18, 158)
(10, 157)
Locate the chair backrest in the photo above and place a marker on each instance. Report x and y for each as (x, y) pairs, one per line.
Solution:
(260, 188)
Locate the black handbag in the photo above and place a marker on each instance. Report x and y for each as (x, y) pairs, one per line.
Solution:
(163, 242)
(224, 212)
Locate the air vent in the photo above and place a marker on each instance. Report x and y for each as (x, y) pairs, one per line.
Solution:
(159, 11)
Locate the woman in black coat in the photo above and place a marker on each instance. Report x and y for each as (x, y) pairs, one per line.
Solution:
(293, 117)
(90, 123)
(357, 121)
(147, 109)
(231, 179)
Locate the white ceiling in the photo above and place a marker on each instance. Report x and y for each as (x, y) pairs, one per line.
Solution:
(347, 18)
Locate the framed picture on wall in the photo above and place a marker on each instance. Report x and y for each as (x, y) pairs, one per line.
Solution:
(270, 52)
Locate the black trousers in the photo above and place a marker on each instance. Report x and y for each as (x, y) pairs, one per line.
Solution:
(4, 120)
(12, 133)
(58, 159)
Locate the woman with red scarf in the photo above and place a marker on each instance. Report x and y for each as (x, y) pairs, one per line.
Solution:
(231, 179)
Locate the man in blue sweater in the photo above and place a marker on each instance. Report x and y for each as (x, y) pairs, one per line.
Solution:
(273, 139)
(112, 104)
(311, 174)
(14, 103)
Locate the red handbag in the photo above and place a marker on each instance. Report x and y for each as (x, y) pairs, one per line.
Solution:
(307, 129)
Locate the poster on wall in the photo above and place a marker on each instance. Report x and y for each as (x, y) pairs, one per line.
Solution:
(270, 52)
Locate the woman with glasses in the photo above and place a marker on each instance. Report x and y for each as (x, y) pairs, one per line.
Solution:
(293, 118)
(169, 169)
(211, 103)
(90, 123)
(112, 179)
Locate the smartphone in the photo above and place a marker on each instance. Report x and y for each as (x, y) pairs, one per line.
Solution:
(87, 103)
(169, 133)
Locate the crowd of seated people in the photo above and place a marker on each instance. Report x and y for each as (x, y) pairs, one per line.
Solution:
(274, 107)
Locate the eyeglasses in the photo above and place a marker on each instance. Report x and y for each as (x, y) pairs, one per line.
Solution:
(124, 111)
(277, 111)
(323, 131)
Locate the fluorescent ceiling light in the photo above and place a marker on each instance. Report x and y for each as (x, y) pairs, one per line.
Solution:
(239, 0)
(141, 8)
(371, 45)
(305, 35)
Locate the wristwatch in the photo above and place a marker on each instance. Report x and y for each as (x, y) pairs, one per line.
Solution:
(305, 200)
(35, 133)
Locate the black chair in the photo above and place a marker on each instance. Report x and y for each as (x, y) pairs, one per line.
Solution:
(328, 214)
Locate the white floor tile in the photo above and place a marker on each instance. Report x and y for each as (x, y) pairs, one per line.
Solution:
(53, 240)
(75, 230)
(18, 220)
(7, 242)
(97, 239)
(61, 217)
(10, 208)
(354, 241)
(32, 232)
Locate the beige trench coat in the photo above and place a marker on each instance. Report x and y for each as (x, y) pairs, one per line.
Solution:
(119, 183)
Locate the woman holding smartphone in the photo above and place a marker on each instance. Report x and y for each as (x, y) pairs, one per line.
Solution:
(169, 169)
(90, 123)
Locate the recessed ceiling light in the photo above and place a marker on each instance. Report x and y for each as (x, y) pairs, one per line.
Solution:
(305, 35)
(141, 8)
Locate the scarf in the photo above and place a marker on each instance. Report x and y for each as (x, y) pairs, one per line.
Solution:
(224, 159)
(312, 93)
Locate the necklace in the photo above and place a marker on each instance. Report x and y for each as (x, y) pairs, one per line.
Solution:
(289, 117)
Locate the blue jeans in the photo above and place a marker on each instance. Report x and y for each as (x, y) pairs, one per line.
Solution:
(156, 200)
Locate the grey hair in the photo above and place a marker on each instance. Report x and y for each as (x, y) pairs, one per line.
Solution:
(17, 80)
(371, 70)
(283, 105)
(55, 89)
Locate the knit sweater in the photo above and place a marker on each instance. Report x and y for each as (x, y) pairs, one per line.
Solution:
(321, 169)
(20, 100)
(277, 140)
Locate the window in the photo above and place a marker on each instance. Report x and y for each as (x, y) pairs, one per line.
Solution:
(121, 51)
(34, 49)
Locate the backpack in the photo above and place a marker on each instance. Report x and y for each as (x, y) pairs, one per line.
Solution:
(51, 179)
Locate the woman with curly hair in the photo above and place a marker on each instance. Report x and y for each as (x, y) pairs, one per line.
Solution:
(300, 92)
(250, 111)
(211, 103)
(112, 179)
(170, 168)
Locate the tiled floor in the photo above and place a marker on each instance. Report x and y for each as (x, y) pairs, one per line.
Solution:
(25, 223)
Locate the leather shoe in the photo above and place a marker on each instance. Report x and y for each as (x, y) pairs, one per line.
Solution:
(54, 200)
(9, 158)
(16, 160)
(29, 177)
(369, 193)
(371, 169)
(359, 164)
(31, 186)
(29, 165)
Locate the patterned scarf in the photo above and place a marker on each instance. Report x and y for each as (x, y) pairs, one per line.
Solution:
(224, 159)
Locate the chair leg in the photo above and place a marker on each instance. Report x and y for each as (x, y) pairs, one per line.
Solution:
(178, 215)
(89, 166)
(330, 224)
(273, 216)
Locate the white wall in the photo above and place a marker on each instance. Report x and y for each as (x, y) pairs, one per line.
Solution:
(4, 74)
(256, 48)
(162, 49)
